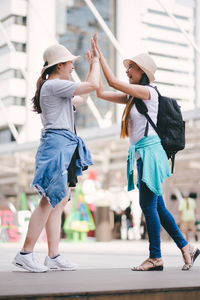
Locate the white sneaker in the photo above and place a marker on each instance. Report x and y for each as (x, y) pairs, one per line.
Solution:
(29, 262)
(59, 263)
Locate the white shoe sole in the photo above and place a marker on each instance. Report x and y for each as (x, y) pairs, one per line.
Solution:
(22, 266)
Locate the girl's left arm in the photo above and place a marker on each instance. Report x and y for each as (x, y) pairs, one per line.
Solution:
(134, 90)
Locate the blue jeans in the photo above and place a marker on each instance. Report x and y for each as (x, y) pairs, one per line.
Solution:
(156, 214)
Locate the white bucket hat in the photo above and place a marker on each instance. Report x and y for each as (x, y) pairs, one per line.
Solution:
(145, 62)
(56, 54)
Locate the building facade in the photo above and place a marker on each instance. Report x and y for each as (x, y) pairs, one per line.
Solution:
(169, 32)
(165, 32)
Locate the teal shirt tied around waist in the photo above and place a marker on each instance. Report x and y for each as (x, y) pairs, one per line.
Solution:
(155, 163)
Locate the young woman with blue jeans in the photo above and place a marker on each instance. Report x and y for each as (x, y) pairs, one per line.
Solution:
(146, 148)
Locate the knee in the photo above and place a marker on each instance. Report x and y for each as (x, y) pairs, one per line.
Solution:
(148, 209)
(162, 208)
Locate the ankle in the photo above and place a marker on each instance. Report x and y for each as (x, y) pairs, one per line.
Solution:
(157, 258)
(26, 250)
(53, 253)
(185, 249)
(55, 256)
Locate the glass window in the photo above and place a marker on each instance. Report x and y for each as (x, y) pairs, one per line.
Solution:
(6, 136)
(13, 19)
(21, 47)
(11, 100)
(174, 55)
(81, 24)
(18, 74)
(20, 20)
(6, 75)
(11, 73)
(4, 49)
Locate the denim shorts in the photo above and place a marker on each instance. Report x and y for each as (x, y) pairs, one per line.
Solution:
(61, 156)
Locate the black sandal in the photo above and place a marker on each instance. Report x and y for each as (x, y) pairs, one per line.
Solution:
(155, 265)
(194, 253)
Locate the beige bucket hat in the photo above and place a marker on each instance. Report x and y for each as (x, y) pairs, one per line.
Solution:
(56, 54)
(145, 62)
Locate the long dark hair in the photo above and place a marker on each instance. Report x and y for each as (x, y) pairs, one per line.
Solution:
(125, 116)
(41, 80)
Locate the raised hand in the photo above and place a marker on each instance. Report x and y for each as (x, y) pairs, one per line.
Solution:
(89, 57)
(94, 51)
(96, 44)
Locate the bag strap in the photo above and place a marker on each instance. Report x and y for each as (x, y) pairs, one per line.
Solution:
(74, 109)
(146, 129)
(152, 123)
(145, 113)
(155, 88)
(173, 162)
(149, 120)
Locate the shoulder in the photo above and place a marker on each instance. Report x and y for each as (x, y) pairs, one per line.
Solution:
(153, 92)
(60, 82)
(63, 88)
(46, 87)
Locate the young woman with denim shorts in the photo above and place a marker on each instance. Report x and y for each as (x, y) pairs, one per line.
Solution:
(152, 162)
(61, 156)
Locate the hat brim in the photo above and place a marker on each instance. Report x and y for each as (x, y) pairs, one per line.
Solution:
(64, 59)
(149, 74)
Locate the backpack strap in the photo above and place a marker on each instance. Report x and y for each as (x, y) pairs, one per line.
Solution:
(74, 109)
(173, 162)
(155, 88)
(172, 156)
(142, 109)
(146, 129)
(152, 123)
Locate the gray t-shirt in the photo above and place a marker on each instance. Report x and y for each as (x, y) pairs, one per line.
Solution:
(56, 104)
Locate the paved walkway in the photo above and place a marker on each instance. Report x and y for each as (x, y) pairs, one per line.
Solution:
(103, 268)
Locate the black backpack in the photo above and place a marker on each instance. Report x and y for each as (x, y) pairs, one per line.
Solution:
(170, 125)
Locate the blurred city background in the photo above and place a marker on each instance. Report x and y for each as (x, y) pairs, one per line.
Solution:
(101, 209)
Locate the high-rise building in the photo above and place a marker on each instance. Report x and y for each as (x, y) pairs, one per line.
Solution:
(162, 31)
(21, 45)
(13, 53)
(169, 31)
